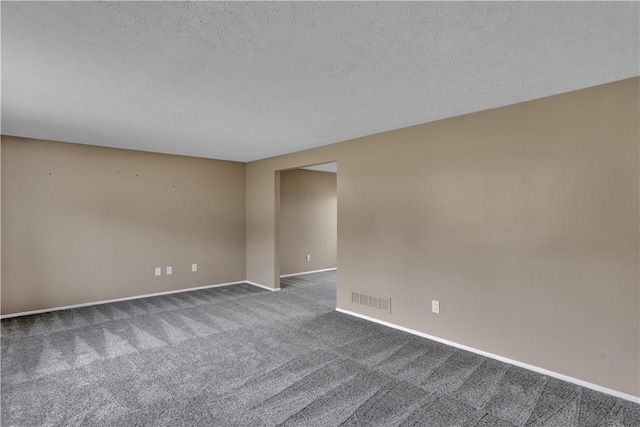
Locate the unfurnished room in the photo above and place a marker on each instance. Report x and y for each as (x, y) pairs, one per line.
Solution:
(320, 214)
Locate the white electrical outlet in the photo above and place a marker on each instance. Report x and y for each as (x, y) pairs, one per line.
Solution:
(194, 267)
(169, 270)
(308, 257)
(158, 271)
(435, 306)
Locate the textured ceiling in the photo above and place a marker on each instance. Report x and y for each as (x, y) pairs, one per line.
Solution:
(324, 167)
(244, 81)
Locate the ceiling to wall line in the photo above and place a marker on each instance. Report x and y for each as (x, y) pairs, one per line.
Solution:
(244, 81)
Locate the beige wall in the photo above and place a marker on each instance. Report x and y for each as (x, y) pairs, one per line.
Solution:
(83, 223)
(522, 221)
(308, 220)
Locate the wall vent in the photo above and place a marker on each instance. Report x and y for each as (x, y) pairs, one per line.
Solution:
(385, 305)
(372, 301)
(364, 299)
(355, 297)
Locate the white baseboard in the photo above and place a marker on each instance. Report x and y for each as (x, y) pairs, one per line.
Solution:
(87, 304)
(261, 286)
(537, 369)
(308, 272)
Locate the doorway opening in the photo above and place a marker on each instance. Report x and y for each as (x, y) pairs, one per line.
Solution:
(308, 224)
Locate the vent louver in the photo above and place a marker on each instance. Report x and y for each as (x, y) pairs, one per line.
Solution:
(372, 301)
(355, 297)
(364, 299)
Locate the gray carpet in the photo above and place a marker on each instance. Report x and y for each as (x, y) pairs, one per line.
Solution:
(240, 355)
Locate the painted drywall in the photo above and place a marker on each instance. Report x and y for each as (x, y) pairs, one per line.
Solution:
(83, 223)
(308, 220)
(522, 221)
